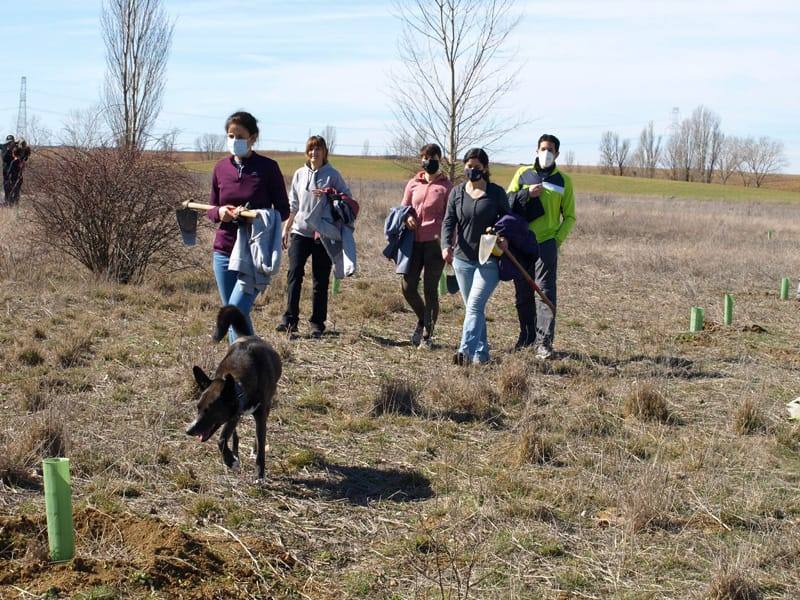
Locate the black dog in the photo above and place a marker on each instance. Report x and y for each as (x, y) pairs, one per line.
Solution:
(244, 383)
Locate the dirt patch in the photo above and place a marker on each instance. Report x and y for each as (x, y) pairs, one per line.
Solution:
(129, 553)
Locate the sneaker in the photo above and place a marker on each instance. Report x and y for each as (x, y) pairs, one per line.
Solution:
(544, 352)
(286, 328)
(425, 344)
(459, 359)
(316, 331)
(416, 337)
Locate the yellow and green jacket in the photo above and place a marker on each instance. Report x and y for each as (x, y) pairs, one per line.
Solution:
(557, 197)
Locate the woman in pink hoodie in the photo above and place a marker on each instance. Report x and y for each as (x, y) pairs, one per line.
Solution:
(426, 194)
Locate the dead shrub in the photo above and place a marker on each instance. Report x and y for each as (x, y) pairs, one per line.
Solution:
(533, 448)
(749, 418)
(111, 209)
(730, 584)
(646, 404)
(396, 397)
(592, 421)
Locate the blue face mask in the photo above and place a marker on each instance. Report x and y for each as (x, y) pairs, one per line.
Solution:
(473, 174)
(238, 147)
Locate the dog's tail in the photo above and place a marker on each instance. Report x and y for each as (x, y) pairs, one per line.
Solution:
(230, 316)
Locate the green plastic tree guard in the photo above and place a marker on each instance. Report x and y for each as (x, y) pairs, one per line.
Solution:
(442, 285)
(728, 309)
(696, 319)
(58, 505)
(785, 288)
(336, 285)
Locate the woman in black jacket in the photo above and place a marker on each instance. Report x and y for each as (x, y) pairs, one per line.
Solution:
(472, 207)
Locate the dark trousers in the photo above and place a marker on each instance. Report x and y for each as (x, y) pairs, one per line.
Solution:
(426, 256)
(300, 248)
(11, 189)
(537, 323)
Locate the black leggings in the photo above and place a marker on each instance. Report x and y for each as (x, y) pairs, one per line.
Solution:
(427, 256)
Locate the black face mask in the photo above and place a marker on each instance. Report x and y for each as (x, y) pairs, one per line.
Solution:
(431, 166)
(473, 174)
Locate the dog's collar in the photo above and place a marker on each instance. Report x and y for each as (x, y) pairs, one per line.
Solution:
(241, 398)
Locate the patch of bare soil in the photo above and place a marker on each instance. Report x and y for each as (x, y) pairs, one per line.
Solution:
(133, 553)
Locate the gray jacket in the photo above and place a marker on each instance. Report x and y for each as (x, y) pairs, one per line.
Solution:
(256, 254)
(337, 238)
(301, 198)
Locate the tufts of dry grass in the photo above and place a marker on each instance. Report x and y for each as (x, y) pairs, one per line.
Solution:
(466, 397)
(30, 357)
(533, 447)
(732, 582)
(47, 437)
(648, 500)
(646, 403)
(396, 397)
(749, 418)
(512, 381)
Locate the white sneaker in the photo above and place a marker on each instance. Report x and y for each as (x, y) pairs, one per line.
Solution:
(544, 352)
(425, 344)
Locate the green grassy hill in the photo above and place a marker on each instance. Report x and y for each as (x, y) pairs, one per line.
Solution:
(384, 169)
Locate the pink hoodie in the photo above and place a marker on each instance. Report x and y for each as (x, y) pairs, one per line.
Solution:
(429, 201)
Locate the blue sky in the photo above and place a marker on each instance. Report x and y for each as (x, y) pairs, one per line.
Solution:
(587, 66)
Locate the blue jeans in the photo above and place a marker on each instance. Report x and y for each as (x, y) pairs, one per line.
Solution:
(476, 282)
(231, 291)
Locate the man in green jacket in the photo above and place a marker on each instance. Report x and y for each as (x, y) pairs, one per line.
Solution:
(542, 180)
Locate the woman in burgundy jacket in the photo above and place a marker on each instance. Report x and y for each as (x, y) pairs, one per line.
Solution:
(243, 178)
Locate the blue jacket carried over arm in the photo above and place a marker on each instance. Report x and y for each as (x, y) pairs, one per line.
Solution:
(400, 239)
(522, 244)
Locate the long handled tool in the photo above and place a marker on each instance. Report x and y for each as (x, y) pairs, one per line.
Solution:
(488, 243)
(187, 219)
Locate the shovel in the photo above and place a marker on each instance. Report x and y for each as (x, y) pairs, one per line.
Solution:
(488, 243)
(187, 219)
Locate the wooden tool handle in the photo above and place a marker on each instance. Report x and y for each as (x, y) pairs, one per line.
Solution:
(249, 214)
(531, 282)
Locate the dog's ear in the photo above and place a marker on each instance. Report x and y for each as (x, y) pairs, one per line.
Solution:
(200, 377)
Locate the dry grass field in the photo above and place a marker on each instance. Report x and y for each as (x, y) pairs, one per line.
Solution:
(643, 462)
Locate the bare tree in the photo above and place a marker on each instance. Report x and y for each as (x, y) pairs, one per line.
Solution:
(137, 36)
(210, 144)
(614, 153)
(168, 141)
(648, 153)
(730, 158)
(329, 133)
(365, 148)
(762, 158)
(85, 128)
(569, 158)
(38, 134)
(454, 72)
(706, 142)
(678, 152)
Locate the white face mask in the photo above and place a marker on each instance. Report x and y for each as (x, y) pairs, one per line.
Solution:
(546, 158)
(238, 147)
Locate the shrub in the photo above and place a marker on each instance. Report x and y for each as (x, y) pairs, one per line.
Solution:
(395, 397)
(110, 209)
(749, 418)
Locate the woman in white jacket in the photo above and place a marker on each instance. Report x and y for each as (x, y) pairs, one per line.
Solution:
(312, 184)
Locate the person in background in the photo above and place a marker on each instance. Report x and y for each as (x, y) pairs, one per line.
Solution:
(543, 181)
(7, 150)
(426, 194)
(312, 184)
(12, 185)
(472, 207)
(243, 178)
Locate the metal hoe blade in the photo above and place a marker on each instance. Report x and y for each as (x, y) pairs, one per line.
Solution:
(486, 246)
(187, 223)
